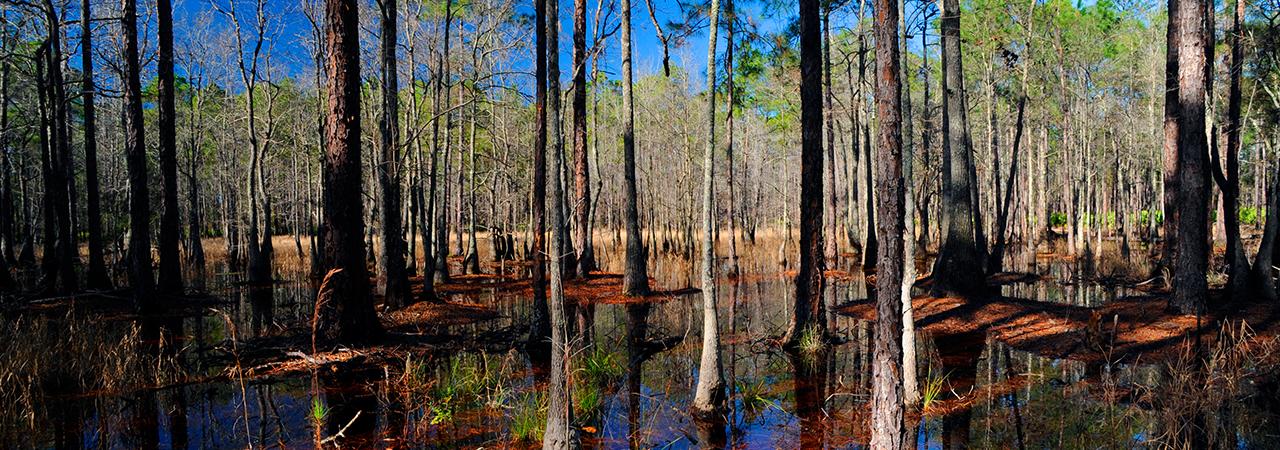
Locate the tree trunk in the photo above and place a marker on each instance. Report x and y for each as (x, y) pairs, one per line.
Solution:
(540, 329)
(730, 20)
(1189, 207)
(140, 279)
(49, 216)
(349, 315)
(560, 433)
(910, 388)
(6, 196)
(926, 139)
(829, 133)
(581, 168)
(1229, 182)
(97, 276)
(393, 282)
(709, 398)
(636, 274)
(809, 314)
(170, 279)
(888, 426)
(60, 273)
(958, 269)
(195, 226)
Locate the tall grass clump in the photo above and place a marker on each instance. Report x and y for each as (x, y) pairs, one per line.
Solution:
(467, 380)
(529, 417)
(51, 357)
(1204, 388)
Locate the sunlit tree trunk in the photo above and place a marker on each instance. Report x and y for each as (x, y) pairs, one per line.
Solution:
(581, 167)
(1188, 207)
(441, 209)
(910, 390)
(560, 432)
(351, 317)
(709, 399)
(636, 274)
(888, 426)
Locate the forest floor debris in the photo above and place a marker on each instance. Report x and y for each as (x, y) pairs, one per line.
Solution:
(1137, 329)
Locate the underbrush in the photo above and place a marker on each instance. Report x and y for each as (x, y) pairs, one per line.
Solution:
(49, 360)
(1202, 400)
(467, 380)
(453, 390)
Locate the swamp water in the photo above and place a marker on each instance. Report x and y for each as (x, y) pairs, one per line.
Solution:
(73, 380)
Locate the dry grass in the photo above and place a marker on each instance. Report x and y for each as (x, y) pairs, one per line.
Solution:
(1205, 385)
(47, 360)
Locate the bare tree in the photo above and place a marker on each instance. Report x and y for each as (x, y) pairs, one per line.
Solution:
(250, 48)
(393, 281)
(636, 275)
(709, 399)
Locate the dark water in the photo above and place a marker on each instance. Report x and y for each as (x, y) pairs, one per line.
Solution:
(644, 361)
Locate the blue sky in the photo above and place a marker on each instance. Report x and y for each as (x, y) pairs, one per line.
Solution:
(647, 47)
(767, 16)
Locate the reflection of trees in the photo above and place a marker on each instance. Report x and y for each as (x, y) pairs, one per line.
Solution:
(812, 374)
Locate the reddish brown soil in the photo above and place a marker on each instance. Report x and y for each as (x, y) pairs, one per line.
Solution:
(435, 314)
(1133, 329)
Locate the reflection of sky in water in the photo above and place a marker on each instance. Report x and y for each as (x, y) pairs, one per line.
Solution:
(279, 411)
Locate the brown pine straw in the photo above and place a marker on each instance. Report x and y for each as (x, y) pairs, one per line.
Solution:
(322, 297)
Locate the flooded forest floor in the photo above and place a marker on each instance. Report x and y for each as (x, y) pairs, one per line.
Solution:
(1058, 356)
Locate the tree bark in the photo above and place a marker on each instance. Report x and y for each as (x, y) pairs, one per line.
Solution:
(958, 269)
(560, 433)
(730, 17)
(1238, 269)
(441, 228)
(97, 276)
(709, 397)
(581, 168)
(393, 282)
(140, 279)
(888, 426)
(1190, 206)
(636, 274)
(809, 314)
(540, 329)
(170, 280)
(910, 387)
(60, 265)
(350, 316)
